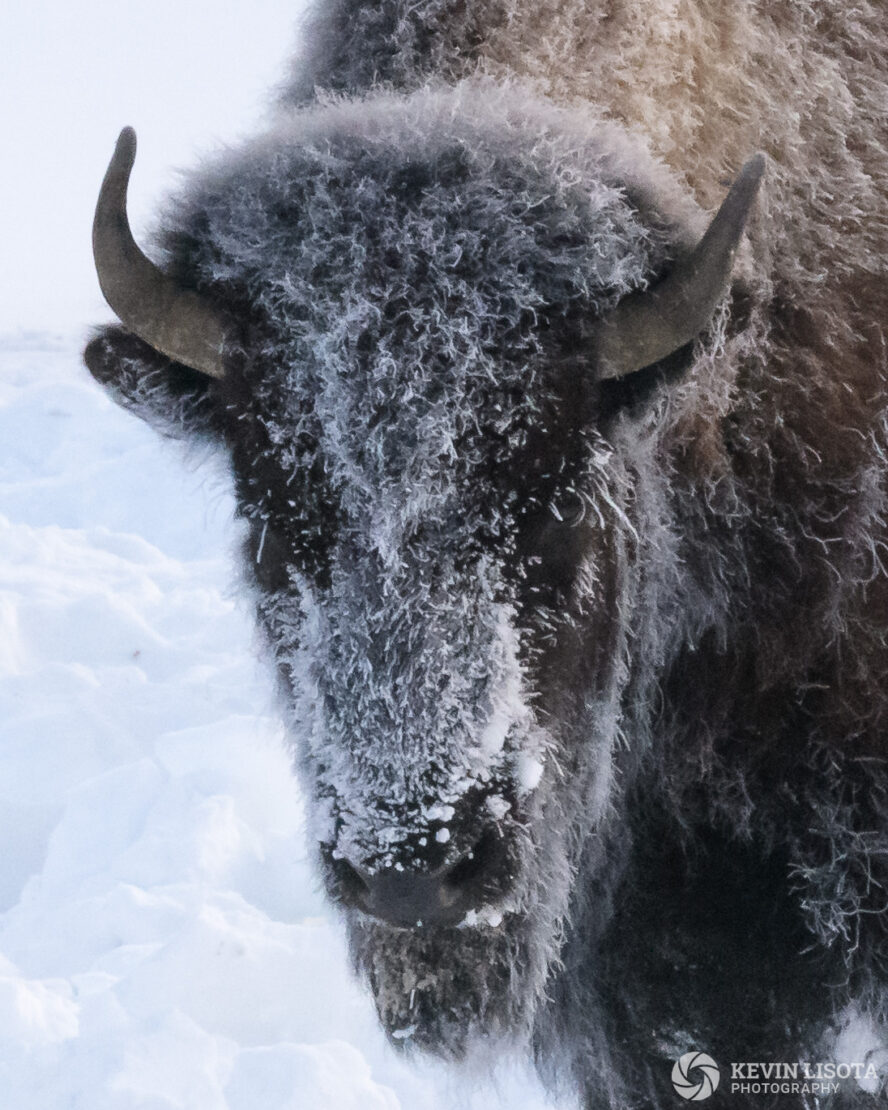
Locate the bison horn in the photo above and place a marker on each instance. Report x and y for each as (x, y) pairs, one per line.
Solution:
(650, 324)
(177, 322)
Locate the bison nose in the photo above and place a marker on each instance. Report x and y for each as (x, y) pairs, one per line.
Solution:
(412, 898)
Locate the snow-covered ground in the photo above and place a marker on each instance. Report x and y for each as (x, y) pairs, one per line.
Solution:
(163, 945)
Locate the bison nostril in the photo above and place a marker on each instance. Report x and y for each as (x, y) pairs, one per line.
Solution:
(353, 887)
(476, 870)
(466, 870)
(418, 897)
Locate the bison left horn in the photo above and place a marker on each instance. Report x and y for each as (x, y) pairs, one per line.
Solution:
(652, 323)
(177, 322)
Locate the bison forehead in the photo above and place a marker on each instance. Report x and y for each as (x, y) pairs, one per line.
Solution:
(400, 281)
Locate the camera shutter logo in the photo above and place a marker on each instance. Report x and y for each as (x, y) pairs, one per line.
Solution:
(695, 1076)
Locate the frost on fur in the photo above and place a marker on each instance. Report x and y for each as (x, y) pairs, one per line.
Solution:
(617, 646)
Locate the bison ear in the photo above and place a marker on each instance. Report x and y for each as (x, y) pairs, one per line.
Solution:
(175, 399)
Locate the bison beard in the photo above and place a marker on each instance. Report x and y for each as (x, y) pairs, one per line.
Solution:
(568, 548)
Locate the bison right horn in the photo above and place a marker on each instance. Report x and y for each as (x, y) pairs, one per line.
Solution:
(177, 322)
(652, 323)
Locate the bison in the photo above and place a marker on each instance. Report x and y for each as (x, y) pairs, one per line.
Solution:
(564, 466)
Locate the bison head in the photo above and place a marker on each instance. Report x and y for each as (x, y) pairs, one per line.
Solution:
(417, 325)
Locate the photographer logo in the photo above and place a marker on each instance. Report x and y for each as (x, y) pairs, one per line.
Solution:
(695, 1076)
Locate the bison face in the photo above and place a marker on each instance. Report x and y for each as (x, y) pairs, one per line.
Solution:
(406, 319)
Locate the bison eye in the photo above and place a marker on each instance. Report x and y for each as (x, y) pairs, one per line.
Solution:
(550, 554)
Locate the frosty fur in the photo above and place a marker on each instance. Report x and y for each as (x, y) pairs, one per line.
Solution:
(639, 625)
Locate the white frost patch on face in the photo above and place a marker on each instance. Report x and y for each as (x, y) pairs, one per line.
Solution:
(395, 752)
(497, 806)
(508, 705)
(510, 714)
(439, 813)
(602, 785)
(859, 1042)
(529, 771)
(487, 915)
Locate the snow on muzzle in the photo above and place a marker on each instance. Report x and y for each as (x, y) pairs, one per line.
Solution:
(422, 746)
(462, 863)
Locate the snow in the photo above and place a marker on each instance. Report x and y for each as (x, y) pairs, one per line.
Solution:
(530, 771)
(162, 940)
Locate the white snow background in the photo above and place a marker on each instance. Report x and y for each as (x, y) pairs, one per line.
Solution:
(163, 945)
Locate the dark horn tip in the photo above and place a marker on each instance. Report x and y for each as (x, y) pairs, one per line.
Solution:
(125, 151)
(730, 220)
(756, 164)
(749, 178)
